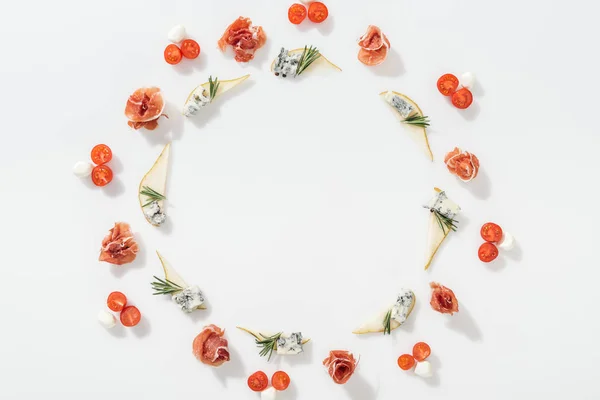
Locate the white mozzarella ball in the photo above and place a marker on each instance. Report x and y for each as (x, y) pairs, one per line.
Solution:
(177, 33)
(268, 394)
(467, 80)
(423, 369)
(507, 242)
(106, 319)
(82, 169)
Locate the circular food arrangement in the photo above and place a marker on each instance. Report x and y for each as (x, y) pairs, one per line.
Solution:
(143, 111)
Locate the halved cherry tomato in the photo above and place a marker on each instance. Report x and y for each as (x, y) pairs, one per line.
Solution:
(190, 49)
(116, 301)
(406, 362)
(172, 54)
(280, 380)
(102, 175)
(447, 84)
(258, 381)
(101, 154)
(462, 98)
(421, 351)
(317, 12)
(491, 232)
(297, 13)
(130, 316)
(487, 252)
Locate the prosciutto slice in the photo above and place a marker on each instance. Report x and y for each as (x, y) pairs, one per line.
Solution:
(144, 107)
(119, 247)
(244, 38)
(210, 347)
(374, 46)
(340, 365)
(443, 299)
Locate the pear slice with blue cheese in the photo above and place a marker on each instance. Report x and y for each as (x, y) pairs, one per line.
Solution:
(206, 93)
(441, 222)
(411, 117)
(392, 317)
(174, 285)
(281, 343)
(293, 62)
(152, 189)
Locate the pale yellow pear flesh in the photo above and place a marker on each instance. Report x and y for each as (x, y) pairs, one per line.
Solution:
(417, 133)
(264, 335)
(156, 178)
(321, 61)
(435, 237)
(224, 86)
(172, 275)
(375, 325)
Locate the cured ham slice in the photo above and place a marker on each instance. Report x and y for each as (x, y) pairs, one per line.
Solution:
(443, 299)
(210, 347)
(244, 38)
(144, 107)
(340, 365)
(374, 46)
(119, 247)
(462, 164)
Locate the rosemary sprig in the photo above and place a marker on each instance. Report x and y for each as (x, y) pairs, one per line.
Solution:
(214, 86)
(268, 344)
(418, 120)
(445, 222)
(309, 55)
(152, 195)
(387, 323)
(165, 286)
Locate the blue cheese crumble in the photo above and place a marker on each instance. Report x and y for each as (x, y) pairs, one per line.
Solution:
(290, 344)
(403, 306)
(189, 299)
(200, 98)
(286, 64)
(154, 214)
(404, 108)
(443, 205)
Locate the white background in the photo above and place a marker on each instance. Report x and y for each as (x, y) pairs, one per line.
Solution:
(296, 205)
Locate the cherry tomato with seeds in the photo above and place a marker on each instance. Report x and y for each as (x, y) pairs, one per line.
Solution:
(297, 13)
(421, 351)
(172, 54)
(101, 154)
(116, 301)
(102, 175)
(462, 98)
(258, 381)
(130, 316)
(190, 49)
(317, 12)
(491, 232)
(487, 252)
(406, 362)
(447, 84)
(280, 380)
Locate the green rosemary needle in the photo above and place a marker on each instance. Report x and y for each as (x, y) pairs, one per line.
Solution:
(214, 86)
(387, 323)
(445, 222)
(152, 195)
(268, 344)
(417, 120)
(165, 286)
(309, 55)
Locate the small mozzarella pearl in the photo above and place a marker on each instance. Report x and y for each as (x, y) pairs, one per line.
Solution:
(82, 169)
(177, 33)
(507, 242)
(423, 369)
(268, 394)
(467, 80)
(107, 319)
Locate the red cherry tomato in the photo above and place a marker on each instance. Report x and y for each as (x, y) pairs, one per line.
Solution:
(491, 232)
(462, 98)
(116, 301)
(190, 49)
(172, 54)
(447, 84)
(317, 12)
(487, 252)
(130, 316)
(297, 13)
(406, 362)
(280, 380)
(102, 175)
(101, 154)
(421, 351)
(258, 381)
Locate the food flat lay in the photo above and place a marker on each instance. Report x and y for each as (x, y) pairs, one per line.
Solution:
(308, 200)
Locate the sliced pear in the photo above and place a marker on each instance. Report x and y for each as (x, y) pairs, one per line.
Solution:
(224, 86)
(156, 179)
(435, 237)
(172, 275)
(322, 61)
(262, 336)
(375, 325)
(417, 133)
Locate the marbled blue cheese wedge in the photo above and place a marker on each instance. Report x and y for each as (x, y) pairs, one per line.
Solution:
(285, 343)
(399, 312)
(287, 62)
(201, 96)
(437, 231)
(155, 182)
(188, 298)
